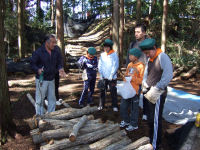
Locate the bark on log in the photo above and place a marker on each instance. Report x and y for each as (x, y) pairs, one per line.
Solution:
(145, 147)
(66, 105)
(60, 133)
(74, 113)
(76, 128)
(136, 144)
(119, 145)
(84, 139)
(108, 140)
(178, 71)
(79, 147)
(190, 73)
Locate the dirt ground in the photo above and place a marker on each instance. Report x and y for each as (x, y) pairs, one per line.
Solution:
(70, 90)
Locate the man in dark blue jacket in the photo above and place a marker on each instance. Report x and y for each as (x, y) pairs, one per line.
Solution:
(45, 62)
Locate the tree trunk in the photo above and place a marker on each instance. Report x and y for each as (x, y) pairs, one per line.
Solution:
(121, 33)
(115, 34)
(5, 108)
(84, 139)
(52, 14)
(76, 128)
(151, 12)
(119, 145)
(60, 29)
(164, 26)
(113, 138)
(137, 144)
(20, 28)
(138, 12)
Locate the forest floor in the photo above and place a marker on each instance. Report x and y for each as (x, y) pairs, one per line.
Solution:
(70, 90)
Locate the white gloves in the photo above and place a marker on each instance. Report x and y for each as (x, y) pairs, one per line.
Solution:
(144, 87)
(89, 65)
(153, 94)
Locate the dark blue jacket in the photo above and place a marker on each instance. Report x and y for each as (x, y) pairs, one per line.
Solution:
(90, 65)
(50, 63)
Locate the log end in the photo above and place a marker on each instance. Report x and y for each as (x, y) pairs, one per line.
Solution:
(72, 138)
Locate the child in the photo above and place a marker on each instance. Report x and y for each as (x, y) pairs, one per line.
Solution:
(135, 70)
(89, 64)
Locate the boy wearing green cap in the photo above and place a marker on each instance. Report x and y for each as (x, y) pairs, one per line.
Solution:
(108, 66)
(89, 64)
(135, 71)
(158, 74)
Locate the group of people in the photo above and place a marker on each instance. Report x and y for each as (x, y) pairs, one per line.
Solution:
(148, 68)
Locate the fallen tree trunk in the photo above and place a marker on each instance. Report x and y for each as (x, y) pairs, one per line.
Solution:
(178, 71)
(39, 137)
(118, 145)
(72, 114)
(76, 128)
(137, 144)
(108, 140)
(84, 139)
(190, 73)
(145, 147)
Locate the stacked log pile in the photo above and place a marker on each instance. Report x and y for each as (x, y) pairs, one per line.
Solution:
(71, 128)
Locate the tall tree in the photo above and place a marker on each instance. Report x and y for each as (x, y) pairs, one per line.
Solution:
(164, 25)
(20, 18)
(5, 108)
(121, 31)
(152, 9)
(138, 11)
(52, 14)
(60, 28)
(115, 33)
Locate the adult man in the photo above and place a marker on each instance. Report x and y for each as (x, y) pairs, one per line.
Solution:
(140, 35)
(108, 66)
(45, 62)
(158, 74)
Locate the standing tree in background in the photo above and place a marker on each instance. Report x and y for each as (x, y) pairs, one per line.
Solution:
(60, 29)
(138, 12)
(152, 9)
(121, 31)
(5, 109)
(52, 14)
(115, 33)
(20, 22)
(164, 25)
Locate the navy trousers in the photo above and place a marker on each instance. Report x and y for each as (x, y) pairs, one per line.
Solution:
(88, 84)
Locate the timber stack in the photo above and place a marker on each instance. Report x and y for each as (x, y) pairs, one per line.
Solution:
(75, 129)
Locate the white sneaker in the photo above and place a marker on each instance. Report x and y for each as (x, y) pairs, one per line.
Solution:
(115, 109)
(123, 124)
(46, 102)
(144, 117)
(100, 108)
(58, 103)
(131, 128)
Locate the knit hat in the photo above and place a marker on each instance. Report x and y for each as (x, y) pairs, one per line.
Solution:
(147, 44)
(91, 50)
(135, 52)
(108, 42)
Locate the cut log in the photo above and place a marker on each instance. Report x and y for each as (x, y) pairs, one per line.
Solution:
(79, 147)
(74, 113)
(137, 144)
(60, 133)
(30, 98)
(178, 71)
(84, 139)
(66, 105)
(108, 140)
(76, 128)
(145, 147)
(119, 145)
(190, 73)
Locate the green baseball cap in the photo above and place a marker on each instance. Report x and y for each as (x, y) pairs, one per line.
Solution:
(108, 42)
(91, 50)
(147, 44)
(135, 52)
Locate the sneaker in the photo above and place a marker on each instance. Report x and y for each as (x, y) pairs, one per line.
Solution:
(131, 128)
(46, 102)
(100, 108)
(144, 117)
(58, 103)
(115, 109)
(123, 124)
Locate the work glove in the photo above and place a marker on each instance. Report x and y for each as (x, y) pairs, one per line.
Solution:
(144, 87)
(89, 66)
(153, 94)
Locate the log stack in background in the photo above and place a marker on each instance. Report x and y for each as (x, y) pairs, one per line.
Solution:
(71, 128)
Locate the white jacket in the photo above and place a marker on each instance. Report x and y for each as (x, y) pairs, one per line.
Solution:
(108, 65)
